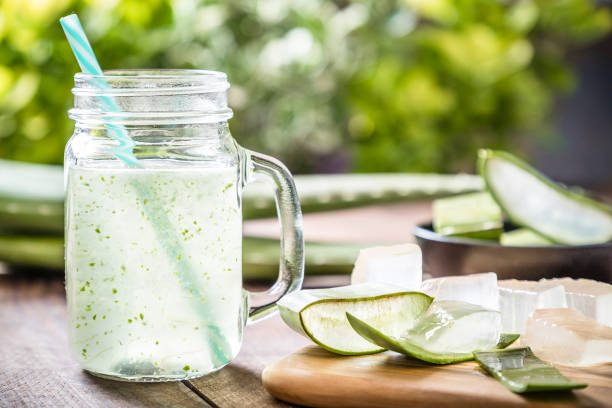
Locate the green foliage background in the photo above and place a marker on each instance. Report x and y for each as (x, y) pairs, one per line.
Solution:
(413, 85)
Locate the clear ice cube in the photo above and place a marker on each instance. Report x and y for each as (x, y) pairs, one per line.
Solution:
(519, 298)
(565, 336)
(478, 289)
(591, 298)
(398, 265)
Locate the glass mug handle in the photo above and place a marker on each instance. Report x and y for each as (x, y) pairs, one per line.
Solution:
(291, 270)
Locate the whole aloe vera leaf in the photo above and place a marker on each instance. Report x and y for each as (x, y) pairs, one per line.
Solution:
(519, 370)
(39, 251)
(260, 255)
(32, 195)
(336, 191)
(532, 200)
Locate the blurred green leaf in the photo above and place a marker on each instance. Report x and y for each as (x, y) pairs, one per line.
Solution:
(370, 85)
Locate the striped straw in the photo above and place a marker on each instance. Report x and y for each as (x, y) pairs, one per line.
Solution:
(89, 64)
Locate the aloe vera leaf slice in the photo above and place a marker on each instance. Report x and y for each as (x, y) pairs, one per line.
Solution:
(506, 340)
(519, 370)
(447, 333)
(474, 215)
(524, 237)
(320, 314)
(532, 200)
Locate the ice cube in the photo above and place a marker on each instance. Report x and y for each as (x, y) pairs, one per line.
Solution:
(478, 289)
(519, 298)
(398, 264)
(565, 336)
(591, 298)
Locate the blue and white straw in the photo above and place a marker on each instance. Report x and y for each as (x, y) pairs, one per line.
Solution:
(89, 64)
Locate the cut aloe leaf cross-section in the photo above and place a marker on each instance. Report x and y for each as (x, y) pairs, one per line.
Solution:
(524, 237)
(448, 332)
(532, 200)
(519, 370)
(474, 215)
(320, 314)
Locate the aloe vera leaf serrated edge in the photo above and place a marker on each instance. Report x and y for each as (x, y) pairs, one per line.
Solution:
(320, 314)
(532, 200)
(519, 370)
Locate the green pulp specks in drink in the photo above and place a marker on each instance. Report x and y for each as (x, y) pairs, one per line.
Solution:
(153, 261)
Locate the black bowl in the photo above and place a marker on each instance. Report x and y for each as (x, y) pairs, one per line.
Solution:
(446, 255)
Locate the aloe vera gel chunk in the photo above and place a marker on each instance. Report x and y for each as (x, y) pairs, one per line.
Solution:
(565, 336)
(519, 370)
(531, 200)
(397, 264)
(448, 332)
(474, 215)
(591, 298)
(519, 298)
(320, 314)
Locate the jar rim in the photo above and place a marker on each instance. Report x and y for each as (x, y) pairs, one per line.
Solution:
(150, 81)
(150, 96)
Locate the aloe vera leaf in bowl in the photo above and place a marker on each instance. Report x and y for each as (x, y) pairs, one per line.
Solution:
(524, 237)
(532, 200)
(474, 215)
(519, 370)
(449, 332)
(320, 314)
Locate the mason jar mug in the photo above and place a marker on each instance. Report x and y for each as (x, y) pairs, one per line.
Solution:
(154, 238)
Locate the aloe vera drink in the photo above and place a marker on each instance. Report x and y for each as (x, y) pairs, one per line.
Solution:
(153, 269)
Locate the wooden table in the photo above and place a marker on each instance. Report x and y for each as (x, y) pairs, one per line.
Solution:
(37, 370)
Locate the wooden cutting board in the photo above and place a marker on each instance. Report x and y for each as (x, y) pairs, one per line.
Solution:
(314, 377)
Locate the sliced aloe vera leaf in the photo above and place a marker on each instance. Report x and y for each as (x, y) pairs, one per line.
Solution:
(524, 237)
(320, 314)
(448, 332)
(474, 215)
(506, 339)
(519, 370)
(532, 200)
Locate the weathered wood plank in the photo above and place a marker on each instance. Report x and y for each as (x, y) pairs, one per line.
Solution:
(239, 384)
(37, 369)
